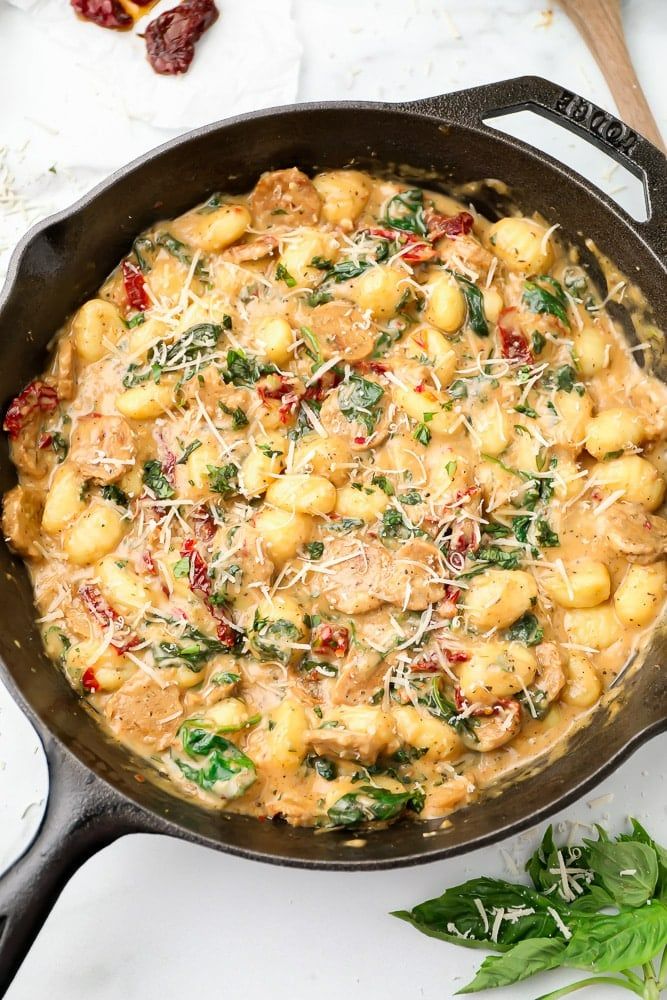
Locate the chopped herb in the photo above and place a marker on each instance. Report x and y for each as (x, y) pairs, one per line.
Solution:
(181, 568)
(114, 493)
(267, 450)
(422, 432)
(225, 677)
(156, 481)
(345, 525)
(503, 558)
(223, 479)
(539, 340)
(181, 253)
(610, 455)
(315, 550)
(545, 536)
(282, 274)
(458, 389)
(239, 416)
(313, 347)
(411, 498)
(194, 654)
(527, 411)
(244, 369)
(140, 248)
(188, 451)
(384, 485)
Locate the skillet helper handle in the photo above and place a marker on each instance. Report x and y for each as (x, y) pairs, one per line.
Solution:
(576, 114)
(82, 816)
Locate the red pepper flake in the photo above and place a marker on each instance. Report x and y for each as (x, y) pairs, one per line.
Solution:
(171, 37)
(331, 638)
(135, 286)
(451, 226)
(38, 397)
(360, 440)
(45, 441)
(89, 681)
(513, 341)
(105, 13)
(420, 387)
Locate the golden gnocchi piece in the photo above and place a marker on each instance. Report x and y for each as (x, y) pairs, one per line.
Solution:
(584, 583)
(641, 593)
(613, 431)
(96, 329)
(344, 194)
(499, 597)
(521, 244)
(303, 494)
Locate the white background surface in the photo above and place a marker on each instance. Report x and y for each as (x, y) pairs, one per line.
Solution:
(153, 918)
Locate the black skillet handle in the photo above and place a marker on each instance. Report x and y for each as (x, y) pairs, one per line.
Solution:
(576, 114)
(82, 816)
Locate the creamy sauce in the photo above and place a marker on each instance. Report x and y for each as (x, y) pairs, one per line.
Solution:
(338, 501)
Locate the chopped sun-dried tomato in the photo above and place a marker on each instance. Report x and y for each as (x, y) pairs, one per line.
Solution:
(171, 37)
(38, 397)
(331, 639)
(452, 226)
(148, 563)
(105, 13)
(360, 440)
(430, 666)
(89, 681)
(457, 655)
(198, 573)
(100, 609)
(135, 286)
(419, 249)
(513, 341)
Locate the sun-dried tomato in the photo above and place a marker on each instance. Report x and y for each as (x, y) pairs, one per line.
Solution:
(38, 397)
(451, 226)
(89, 681)
(148, 563)
(198, 573)
(135, 286)
(331, 639)
(100, 609)
(513, 341)
(171, 37)
(105, 13)
(420, 250)
(430, 666)
(457, 655)
(463, 705)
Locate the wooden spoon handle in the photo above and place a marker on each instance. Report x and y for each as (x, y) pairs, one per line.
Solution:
(601, 26)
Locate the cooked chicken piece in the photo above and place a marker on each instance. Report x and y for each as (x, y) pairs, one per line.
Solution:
(210, 388)
(355, 584)
(443, 798)
(550, 677)
(27, 455)
(78, 619)
(141, 710)
(360, 732)
(65, 381)
(21, 520)
(493, 731)
(415, 572)
(649, 397)
(264, 246)
(466, 250)
(341, 328)
(639, 536)
(102, 447)
(284, 198)
(355, 432)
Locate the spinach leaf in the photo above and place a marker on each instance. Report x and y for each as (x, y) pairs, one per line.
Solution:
(315, 550)
(141, 247)
(475, 303)
(226, 771)
(194, 654)
(244, 369)
(358, 401)
(495, 530)
(223, 479)
(156, 481)
(271, 639)
(525, 959)
(442, 708)
(282, 274)
(188, 451)
(526, 629)
(181, 252)
(373, 804)
(345, 525)
(239, 416)
(405, 211)
(539, 299)
(411, 498)
(538, 340)
(495, 556)
(225, 677)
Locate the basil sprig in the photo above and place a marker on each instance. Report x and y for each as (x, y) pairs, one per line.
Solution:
(599, 906)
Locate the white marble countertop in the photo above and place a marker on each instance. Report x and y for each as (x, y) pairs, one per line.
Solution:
(152, 917)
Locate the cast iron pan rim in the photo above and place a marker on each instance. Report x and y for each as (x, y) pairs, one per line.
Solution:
(414, 108)
(570, 795)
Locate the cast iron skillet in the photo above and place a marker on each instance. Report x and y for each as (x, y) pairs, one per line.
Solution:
(97, 791)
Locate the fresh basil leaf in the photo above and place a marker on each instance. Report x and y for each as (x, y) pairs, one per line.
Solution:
(114, 493)
(627, 870)
(315, 550)
(643, 837)
(385, 485)
(239, 416)
(525, 959)
(612, 943)
(244, 369)
(544, 534)
(456, 915)
(495, 556)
